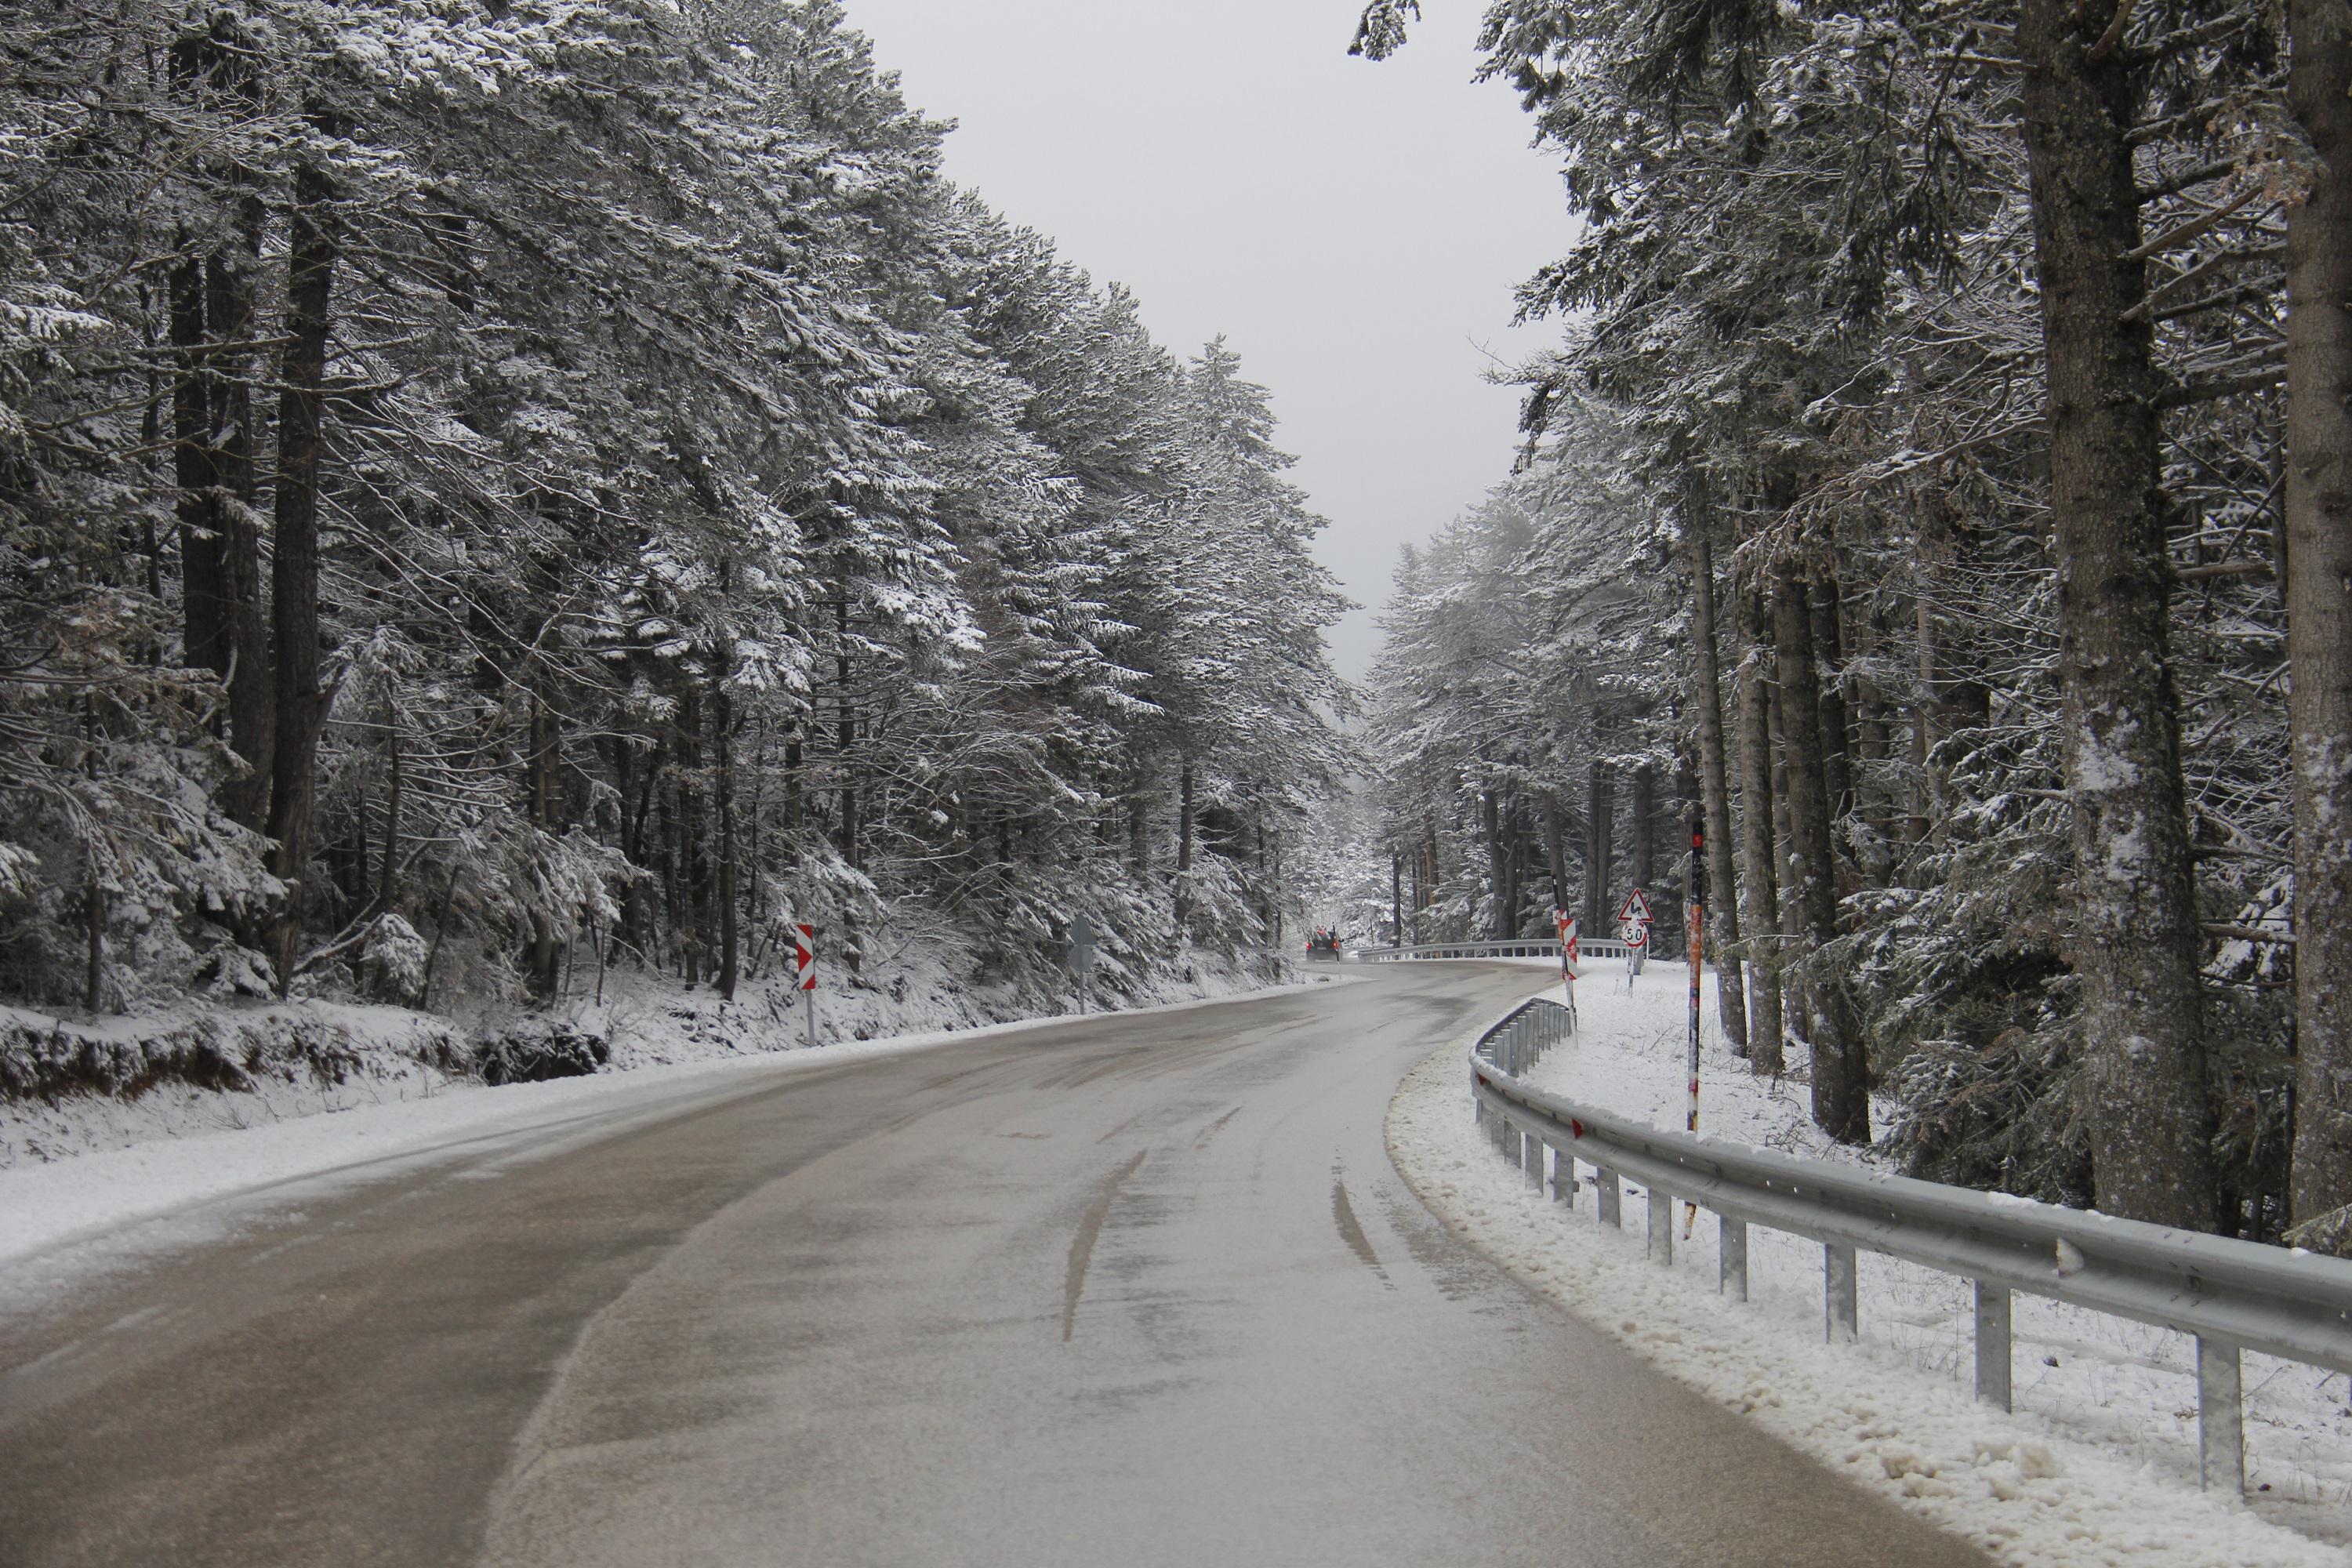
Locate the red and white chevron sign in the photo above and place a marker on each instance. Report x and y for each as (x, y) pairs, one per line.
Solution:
(804, 956)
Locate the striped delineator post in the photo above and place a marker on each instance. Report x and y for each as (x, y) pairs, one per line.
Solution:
(804, 971)
(1567, 956)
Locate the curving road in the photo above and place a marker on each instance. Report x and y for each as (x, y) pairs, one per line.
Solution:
(1125, 1290)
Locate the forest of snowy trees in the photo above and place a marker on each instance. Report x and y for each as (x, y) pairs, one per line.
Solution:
(487, 487)
(1941, 489)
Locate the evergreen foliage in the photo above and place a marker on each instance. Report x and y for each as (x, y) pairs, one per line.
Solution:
(1807, 323)
(489, 489)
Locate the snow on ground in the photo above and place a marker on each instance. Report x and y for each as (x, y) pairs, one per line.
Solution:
(65, 1218)
(2097, 1466)
(205, 1067)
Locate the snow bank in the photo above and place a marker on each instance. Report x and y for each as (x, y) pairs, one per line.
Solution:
(2097, 1466)
(70, 1089)
(159, 1194)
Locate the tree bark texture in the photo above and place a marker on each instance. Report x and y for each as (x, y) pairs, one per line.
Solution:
(543, 949)
(203, 610)
(1499, 924)
(1821, 600)
(1715, 794)
(1873, 830)
(722, 723)
(1642, 831)
(388, 882)
(2319, 606)
(848, 743)
(1841, 1066)
(1597, 824)
(294, 577)
(1184, 833)
(1759, 903)
(1555, 849)
(1396, 901)
(236, 523)
(1954, 698)
(2136, 939)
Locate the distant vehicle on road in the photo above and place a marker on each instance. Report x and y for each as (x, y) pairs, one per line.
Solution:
(1324, 943)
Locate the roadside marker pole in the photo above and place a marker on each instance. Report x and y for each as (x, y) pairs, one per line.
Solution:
(1696, 914)
(1567, 956)
(804, 971)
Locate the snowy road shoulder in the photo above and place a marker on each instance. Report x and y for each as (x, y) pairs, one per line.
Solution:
(2022, 1486)
(62, 1220)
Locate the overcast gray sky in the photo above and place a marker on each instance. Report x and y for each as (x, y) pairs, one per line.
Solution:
(1355, 230)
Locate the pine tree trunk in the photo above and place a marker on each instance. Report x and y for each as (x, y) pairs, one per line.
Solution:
(636, 921)
(722, 720)
(93, 985)
(1597, 827)
(1396, 899)
(1420, 897)
(1513, 868)
(230, 278)
(792, 784)
(2136, 941)
(2319, 607)
(693, 919)
(387, 881)
(544, 949)
(204, 608)
(1759, 903)
(1428, 868)
(1953, 698)
(1872, 809)
(1715, 794)
(1185, 818)
(1139, 822)
(1555, 849)
(1841, 1066)
(847, 747)
(294, 577)
(1490, 822)
(1822, 599)
(1642, 831)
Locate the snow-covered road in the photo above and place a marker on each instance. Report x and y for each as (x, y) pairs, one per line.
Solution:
(1138, 1290)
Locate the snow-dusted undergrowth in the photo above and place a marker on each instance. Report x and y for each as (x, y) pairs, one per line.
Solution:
(158, 1195)
(2097, 1464)
(73, 1088)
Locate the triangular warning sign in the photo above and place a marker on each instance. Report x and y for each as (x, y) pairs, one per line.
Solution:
(1635, 908)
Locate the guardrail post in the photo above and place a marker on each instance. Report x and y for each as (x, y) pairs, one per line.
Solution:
(1662, 1227)
(1612, 1197)
(1992, 1345)
(1844, 1315)
(2221, 1418)
(1731, 1271)
(1532, 1150)
(1563, 1177)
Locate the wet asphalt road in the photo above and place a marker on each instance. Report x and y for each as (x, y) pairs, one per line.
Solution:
(1127, 1290)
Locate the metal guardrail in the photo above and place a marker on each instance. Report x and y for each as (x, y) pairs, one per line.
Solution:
(1532, 947)
(2231, 1295)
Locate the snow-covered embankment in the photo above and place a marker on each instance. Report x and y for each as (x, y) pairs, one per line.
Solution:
(2097, 1466)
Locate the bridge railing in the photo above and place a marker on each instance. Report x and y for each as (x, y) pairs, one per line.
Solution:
(2231, 1295)
(1530, 947)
